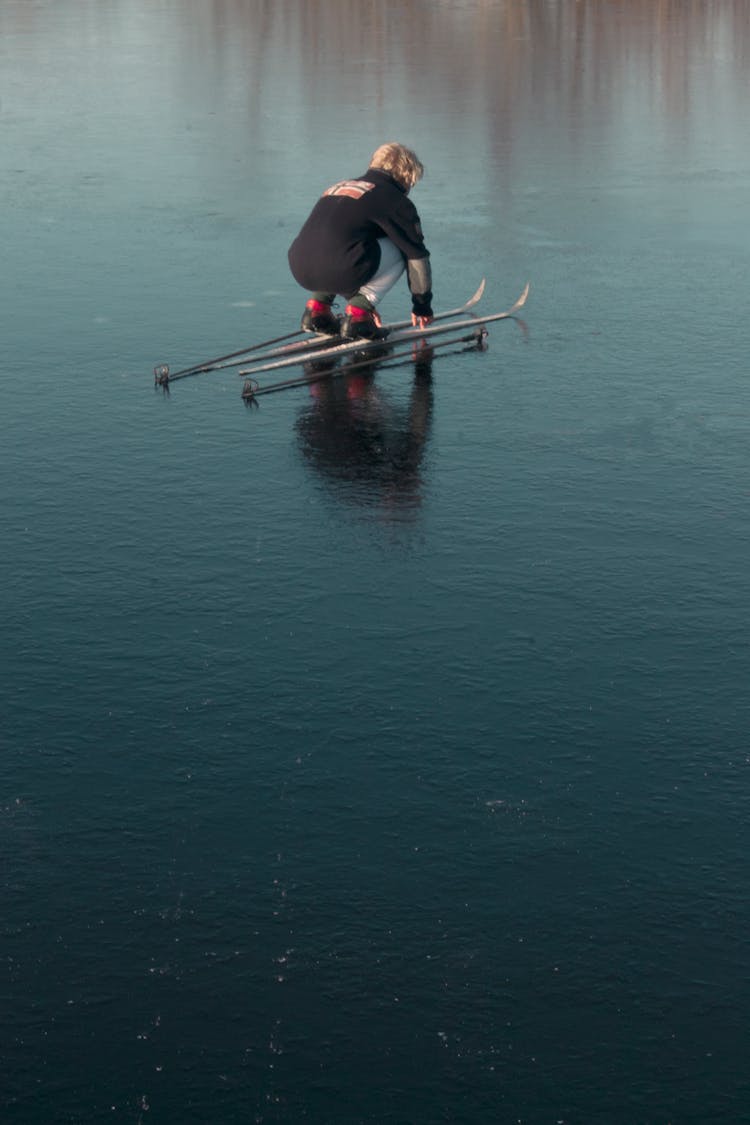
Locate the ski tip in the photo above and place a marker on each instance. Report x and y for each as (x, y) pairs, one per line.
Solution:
(522, 299)
(478, 295)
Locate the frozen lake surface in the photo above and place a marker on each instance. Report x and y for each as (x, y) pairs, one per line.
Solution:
(379, 754)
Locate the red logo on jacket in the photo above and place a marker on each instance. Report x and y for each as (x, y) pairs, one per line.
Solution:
(354, 189)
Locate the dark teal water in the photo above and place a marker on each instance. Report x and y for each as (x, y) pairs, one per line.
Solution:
(380, 754)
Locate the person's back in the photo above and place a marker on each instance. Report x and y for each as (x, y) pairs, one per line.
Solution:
(357, 241)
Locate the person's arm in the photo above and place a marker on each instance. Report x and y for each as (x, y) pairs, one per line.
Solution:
(419, 273)
(401, 223)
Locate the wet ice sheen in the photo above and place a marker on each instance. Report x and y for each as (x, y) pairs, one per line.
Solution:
(378, 754)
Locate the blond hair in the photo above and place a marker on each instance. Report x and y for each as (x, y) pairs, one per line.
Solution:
(399, 162)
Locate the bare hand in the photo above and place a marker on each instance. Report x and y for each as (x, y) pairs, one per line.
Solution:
(420, 321)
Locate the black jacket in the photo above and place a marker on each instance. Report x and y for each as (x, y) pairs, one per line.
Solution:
(337, 249)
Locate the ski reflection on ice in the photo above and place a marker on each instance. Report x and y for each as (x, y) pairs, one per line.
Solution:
(364, 442)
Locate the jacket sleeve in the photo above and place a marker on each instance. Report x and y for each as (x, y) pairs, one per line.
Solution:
(419, 274)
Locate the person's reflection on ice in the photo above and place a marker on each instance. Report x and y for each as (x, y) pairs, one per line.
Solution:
(365, 443)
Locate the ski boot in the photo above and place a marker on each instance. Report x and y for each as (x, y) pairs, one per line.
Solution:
(361, 324)
(318, 317)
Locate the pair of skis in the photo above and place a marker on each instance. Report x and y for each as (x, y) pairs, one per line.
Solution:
(279, 346)
(279, 352)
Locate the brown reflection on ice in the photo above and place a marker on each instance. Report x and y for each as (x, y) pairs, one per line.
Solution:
(464, 49)
(582, 73)
(279, 77)
(470, 49)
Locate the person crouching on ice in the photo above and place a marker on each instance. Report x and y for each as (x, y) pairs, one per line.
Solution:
(357, 241)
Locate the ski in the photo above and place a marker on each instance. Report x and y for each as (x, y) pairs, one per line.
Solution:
(252, 390)
(394, 335)
(279, 348)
